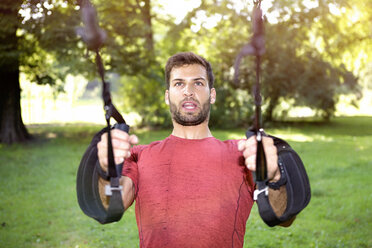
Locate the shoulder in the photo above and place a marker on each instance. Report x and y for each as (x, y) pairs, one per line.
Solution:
(231, 145)
(138, 149)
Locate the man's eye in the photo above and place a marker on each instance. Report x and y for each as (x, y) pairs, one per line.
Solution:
(198, 83)
(178, 84)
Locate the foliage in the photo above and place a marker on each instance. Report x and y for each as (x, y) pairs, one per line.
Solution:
(11, 126)
(48, 41)
(129, 45)
(294, 69)
(310, 73)
(309, 59)
(144, 95)
(129, 51)
(38, 206)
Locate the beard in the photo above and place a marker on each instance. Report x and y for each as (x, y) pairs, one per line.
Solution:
(188, 118)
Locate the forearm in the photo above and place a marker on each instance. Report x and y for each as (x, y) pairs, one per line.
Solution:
(289, 164)
(127, 192)
(278, 202)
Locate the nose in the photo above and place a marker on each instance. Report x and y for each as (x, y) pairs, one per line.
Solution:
(188, 90)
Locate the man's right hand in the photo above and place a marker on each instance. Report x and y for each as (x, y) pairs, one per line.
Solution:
(121, 144)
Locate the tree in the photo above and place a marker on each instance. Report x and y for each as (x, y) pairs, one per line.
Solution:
(12, 128)
(43, 44)
(315, 42)
(31, 45)
(306, 48)
(130, 51)
(294, 69)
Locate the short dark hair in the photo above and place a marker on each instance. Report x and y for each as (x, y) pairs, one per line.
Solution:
(188, 58)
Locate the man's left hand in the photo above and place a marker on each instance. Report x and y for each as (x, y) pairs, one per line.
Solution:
(249, 148)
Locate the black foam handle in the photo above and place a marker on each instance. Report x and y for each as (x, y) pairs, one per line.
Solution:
(261, 164)
(124, 127)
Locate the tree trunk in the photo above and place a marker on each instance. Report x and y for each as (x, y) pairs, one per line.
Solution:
(12, 128)
(270, 110)
(148, 23)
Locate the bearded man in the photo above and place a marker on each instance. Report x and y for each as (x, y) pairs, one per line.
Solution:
(190, 189)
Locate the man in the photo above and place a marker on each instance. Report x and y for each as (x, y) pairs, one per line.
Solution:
(191, 190)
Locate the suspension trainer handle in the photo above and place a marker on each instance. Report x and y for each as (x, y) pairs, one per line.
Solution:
(89, 172)
(293, 175)
(256, 48)
(94, 37)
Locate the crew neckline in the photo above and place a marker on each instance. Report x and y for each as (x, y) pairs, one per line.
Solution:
(173, 137)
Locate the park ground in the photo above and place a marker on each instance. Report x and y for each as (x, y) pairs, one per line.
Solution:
(38, 205)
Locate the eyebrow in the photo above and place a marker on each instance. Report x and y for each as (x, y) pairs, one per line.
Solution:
(194, 79)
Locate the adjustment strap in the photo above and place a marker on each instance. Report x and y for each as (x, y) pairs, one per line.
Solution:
(111, 111)
(116, 209)
(116, 115)
(264, 208)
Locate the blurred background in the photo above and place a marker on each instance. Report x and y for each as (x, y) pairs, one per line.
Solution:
(317, 94)
(317, 62)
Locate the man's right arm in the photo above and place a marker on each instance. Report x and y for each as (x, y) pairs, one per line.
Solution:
(127, 193)
(121, 144)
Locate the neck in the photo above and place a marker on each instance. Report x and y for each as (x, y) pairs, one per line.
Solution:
(200, 131)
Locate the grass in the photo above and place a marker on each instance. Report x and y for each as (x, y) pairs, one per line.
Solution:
(38, 206)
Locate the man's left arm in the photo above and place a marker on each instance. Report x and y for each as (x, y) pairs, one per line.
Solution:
(277, 197)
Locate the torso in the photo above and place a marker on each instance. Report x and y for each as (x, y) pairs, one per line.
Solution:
(190, 193)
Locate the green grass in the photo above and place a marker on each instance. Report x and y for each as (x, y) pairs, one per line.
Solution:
(38, 206)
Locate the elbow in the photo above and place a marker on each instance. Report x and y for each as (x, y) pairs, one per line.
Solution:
(288, 223)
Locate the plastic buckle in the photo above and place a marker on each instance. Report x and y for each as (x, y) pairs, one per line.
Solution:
(257, 192)
(109, 189)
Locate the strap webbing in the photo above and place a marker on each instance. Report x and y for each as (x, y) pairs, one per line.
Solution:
(87, 178)
(264, 208)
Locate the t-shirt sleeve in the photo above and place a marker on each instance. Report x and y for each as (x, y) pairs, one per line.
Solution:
(130, 168)
(249, 176)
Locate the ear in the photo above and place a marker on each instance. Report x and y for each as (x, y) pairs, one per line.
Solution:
(213, 95)
(166, 97)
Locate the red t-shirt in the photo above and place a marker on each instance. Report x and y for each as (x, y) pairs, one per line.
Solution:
(190, 192)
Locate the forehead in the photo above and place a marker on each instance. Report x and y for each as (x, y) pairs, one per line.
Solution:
(188, 72)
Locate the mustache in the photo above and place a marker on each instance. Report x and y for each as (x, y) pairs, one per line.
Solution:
(190, 99)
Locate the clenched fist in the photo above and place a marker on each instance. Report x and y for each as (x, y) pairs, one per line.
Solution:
(249, 148)
(121, 144)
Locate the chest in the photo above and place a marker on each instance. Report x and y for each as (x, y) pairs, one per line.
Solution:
(180, 185)
(189, 169)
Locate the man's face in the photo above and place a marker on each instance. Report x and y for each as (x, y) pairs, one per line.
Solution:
(189, 97)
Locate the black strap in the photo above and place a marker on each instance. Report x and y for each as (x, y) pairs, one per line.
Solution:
(89, 170)
(87, 184)
(116, 209)
(264, 208)
(293, 177)
(87, 187)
